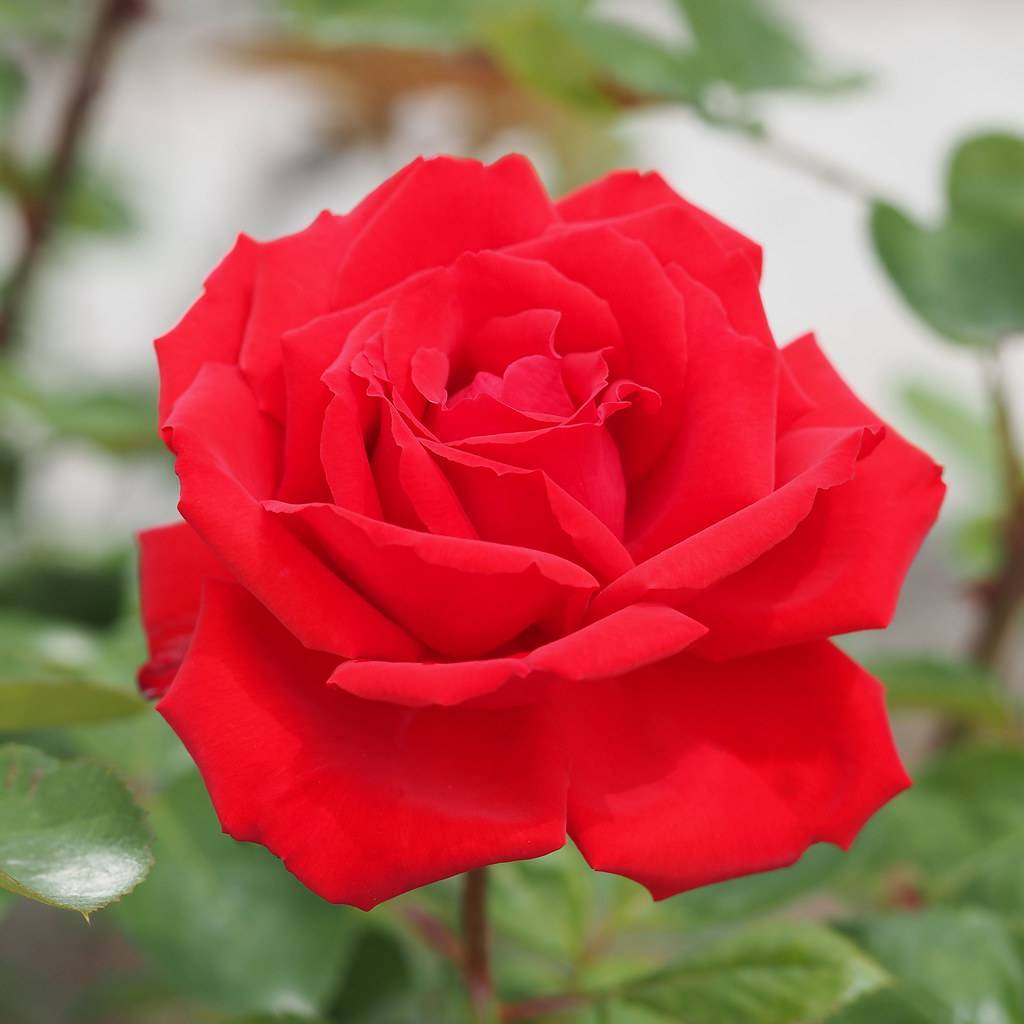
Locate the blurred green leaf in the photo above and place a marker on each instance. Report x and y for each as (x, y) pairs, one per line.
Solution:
(963, 958)
(65, 585)
(900, 1005)
(745, 43)
(95, 204)
(765, 974)
(964, 808)
(51, 675)
(118, 421)
(536, 44)
(224, 922)
(986, 178)
(951, 422)
(50, 21)
(433, 23)
(961, 690)
(963, 276)
(12, 88)
(379, 976)
(70, 834)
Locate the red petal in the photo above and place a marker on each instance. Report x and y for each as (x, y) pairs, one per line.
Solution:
(622, 642)
(651, 317)
(580, 457)
(843, 567)
(526, 508)
(444, 208)
(227, 451)
(460, 597)
(362, 800)
(625, 192)
(260, 290)
(211, 331)
(414, 491)
(173, 563)
(680, 573)
(689, 773)
(723, 457)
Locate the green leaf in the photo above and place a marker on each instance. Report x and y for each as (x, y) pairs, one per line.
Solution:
(65, 585)
(963, 432)
(70, 833)
(765, 974)
(902, 1005)
(961, 690)
(986, 178)
(963, 276)
(537, 45)
(379, 976)
(94, 204)
(225, 923)
(416, 23)
(48, 678)
(744, 43)
(12, 88)
(964, 958)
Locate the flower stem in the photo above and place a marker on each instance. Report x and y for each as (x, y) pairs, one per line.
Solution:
(1005, 591)
(476, 960)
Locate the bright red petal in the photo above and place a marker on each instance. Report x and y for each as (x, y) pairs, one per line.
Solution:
(843, 566)
(227, 455)
(173, 564)
(444, 208)
(460, 597)
(362, 800)
(689, 773)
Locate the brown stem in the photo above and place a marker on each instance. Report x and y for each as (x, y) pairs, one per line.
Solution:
(41, 205)
(530, 1009)
(476, 961)
(1005, 591)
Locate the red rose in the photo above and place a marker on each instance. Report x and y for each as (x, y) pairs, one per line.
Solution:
(506, 518)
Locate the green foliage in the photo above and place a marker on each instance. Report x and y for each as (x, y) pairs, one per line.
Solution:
(121, 422)
(224, 923)
(768, 974)
(566, 50)
(62, 585)
(70, 833)
(962, 958)
(963, 276)
(745, 44)
(52, 675)
(12, 88)
(960, 690)
(93, 203)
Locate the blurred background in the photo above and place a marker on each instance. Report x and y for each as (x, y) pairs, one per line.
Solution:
(138, 137)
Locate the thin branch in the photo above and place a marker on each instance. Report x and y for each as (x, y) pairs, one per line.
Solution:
(40, 206)
(1004, 593)
(476, 956)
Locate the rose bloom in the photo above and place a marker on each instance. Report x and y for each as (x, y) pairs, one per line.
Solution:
(507, 519)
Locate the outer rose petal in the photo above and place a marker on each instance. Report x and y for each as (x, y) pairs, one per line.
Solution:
(362, 800)
(689, 773)
(173, 563)
(842, 568)
(444, 208)
(625, 192)
(226, 459)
